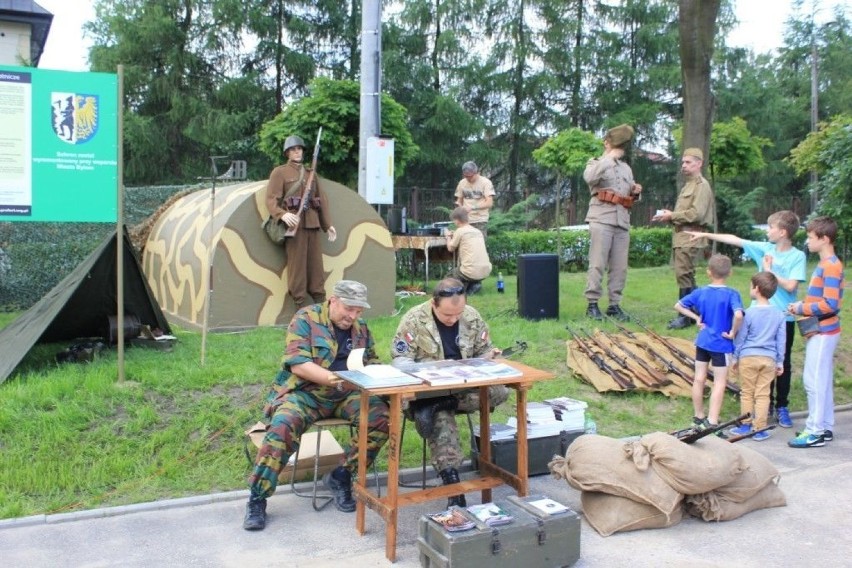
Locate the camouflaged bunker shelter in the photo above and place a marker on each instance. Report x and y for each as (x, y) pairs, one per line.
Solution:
(249, 272)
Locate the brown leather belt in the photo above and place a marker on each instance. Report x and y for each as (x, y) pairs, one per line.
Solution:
(679, 228)
(609, 196)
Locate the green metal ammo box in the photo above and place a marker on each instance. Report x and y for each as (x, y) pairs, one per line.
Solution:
(533, 540)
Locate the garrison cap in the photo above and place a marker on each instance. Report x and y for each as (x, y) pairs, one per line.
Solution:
(351, 293)
(619, 135)
(695, 153)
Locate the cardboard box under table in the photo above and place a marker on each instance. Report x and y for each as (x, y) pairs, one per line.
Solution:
(532, 540)
(330, 453)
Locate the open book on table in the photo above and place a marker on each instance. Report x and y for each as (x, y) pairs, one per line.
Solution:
(461, 372)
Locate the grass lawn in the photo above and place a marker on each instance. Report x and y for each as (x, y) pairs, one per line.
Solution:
(72, 437)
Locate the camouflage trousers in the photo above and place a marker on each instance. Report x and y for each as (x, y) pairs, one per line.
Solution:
(297, 413)
(445, 443)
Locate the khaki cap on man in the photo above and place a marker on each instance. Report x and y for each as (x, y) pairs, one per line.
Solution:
(619, 135)
(351, 293)
(695, 153)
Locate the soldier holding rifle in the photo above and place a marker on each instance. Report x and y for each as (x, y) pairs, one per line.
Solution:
(294, 198)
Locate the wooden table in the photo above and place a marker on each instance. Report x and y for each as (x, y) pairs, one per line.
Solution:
(490, 474)
(419, 243)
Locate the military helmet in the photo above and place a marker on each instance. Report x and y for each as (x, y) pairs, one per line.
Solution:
(292, 142)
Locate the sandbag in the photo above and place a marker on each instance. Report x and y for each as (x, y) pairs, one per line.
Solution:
(713, 507)
(610, 514)
(758, 473)
(600, 463)
(703, 466)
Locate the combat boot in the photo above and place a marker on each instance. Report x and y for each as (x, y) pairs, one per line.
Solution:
(424, 412)
(255, 519)
(615, 311)
(450, 476)
(681, 321)
(339, 482)
(594, 312)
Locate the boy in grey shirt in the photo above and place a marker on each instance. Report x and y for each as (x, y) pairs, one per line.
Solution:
(759, 354)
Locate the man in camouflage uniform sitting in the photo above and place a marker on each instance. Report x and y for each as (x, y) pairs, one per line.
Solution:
(445, 327)
(319, 340)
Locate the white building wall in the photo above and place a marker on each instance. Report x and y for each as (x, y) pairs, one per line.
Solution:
(14, 43)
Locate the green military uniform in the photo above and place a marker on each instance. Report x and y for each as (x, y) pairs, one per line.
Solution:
(695, 210)
(417, 340)
(305, 271)
(294, 404)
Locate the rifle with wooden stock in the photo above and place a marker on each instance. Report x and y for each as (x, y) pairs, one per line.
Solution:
(692, 435)
(659, 380)
(307, 190)
(670, 366)
(622, 362)
(616, 376)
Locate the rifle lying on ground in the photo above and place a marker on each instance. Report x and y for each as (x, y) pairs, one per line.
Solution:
(307, 190)
(518, 348)
(683, 357)
(659, 380)
(693, 434)
(733, 439)
(646, 380)
(670, 366)
(620, 380)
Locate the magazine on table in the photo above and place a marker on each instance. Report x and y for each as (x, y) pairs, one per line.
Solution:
(452, 520)
(461, 372)
(490, 514)
(374, 376)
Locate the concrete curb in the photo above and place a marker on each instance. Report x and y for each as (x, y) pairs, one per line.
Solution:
(197, 500)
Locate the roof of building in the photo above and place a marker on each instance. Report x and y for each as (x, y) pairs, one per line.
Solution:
(29, 12)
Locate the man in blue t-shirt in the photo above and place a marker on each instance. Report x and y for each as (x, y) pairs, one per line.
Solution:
(718, 310)
(789, 265)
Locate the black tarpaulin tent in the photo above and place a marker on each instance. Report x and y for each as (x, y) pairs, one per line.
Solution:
(81, 305)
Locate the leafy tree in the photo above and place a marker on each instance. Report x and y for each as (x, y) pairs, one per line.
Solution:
(827, 152)
(334, 106)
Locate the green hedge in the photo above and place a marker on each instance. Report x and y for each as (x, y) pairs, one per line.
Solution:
(648, 247)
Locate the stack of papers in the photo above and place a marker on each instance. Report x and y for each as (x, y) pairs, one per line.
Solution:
(499, 432)
(541, 421)
(571, 412)
(461, 372)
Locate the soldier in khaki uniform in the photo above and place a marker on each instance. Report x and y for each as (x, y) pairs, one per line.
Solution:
(304, 251)
(474, 264)
(445, 327)
(695, 210)
(614, 191)
(475, 193)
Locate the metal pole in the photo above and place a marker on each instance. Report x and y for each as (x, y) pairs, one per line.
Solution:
(119, 228)
(371, 83)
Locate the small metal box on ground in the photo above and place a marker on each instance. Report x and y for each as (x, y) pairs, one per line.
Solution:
(533, 540)
(504, 453)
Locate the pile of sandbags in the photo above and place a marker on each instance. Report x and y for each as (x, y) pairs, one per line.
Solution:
(653, 481)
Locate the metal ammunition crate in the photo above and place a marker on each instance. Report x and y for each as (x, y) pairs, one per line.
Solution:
(532, 540)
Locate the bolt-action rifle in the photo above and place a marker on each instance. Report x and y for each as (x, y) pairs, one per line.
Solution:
(670, 366)
(620, 380)
(659, 380)
(622, 362)
(683, 357)
(308, 189)
(733, 439)
(691, 435)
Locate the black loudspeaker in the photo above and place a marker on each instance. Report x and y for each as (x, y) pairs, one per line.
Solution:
(538, 286)
(397, 222)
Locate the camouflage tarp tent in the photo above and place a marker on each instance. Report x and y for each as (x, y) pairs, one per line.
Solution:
(81, 305)
(250, 272)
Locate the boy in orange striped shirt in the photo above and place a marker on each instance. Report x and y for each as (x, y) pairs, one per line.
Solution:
(823, 300)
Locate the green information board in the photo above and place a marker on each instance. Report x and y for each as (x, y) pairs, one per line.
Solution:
(58, 146)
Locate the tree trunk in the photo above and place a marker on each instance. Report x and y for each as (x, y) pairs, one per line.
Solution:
(697, 28)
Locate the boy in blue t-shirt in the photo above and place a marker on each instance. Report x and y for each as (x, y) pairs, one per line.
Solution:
(718, 310)
(789, 265)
